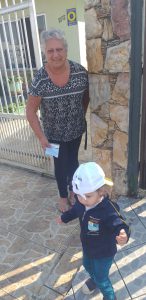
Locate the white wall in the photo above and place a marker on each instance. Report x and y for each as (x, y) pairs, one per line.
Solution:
(56, 16)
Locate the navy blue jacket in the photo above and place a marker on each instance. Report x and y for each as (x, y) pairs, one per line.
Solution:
(99, 227)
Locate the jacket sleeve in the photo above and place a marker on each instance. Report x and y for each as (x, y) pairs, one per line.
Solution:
(70, 215)
(116, 222)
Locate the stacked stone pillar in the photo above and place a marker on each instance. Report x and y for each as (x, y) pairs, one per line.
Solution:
(107, 24)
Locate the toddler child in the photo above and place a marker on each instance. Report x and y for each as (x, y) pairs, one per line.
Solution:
(101, 226)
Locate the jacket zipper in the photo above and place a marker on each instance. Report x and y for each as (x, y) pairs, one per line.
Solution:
(83, 215)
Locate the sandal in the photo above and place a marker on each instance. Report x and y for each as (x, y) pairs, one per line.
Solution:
(63, 206)
(72, 199)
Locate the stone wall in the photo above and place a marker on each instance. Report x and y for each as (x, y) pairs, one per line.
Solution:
(108, 44)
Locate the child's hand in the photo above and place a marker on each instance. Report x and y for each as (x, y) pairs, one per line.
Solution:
(58, 220)
(122, 238)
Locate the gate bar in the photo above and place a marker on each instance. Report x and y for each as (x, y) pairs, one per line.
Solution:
(14, 8)
(142, 181)
(135, 95)
(35, 35)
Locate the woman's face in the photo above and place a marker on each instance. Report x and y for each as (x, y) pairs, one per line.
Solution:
(55, 53)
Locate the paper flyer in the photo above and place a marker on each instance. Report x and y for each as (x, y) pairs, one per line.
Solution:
(53, 150)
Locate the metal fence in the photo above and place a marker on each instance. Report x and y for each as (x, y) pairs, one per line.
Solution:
(20, 146)
(20, 57)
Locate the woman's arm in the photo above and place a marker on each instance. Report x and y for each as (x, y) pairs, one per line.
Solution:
(32, 106)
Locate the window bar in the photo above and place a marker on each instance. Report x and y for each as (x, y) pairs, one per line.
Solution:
(10, 65)
(4, 94)
(9, 61)
(35, 35)
(5, 72)
(27, 44)
(15, 59)
(21, 51)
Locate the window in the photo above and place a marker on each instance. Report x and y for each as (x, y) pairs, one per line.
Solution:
(5, 29)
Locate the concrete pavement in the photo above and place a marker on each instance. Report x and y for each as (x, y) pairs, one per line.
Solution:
(41, 260)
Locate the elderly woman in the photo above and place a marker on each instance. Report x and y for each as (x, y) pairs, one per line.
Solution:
(60, 89)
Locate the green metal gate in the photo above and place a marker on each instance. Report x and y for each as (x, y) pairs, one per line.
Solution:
(142, 182)
(135, 95)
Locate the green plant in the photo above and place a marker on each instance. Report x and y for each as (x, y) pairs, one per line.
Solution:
(16, 79)
(11, 107)
(15, 84)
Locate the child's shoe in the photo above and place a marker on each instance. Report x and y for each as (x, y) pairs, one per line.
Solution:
(89, 287)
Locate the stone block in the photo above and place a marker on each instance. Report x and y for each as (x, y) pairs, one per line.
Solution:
(120, 181)
(117, 58)
(100, 91)
(99, 130)
(93, 27)
(121, 92)
(120, 19)
(94, 56)
(107, 30)
(120, 141)
(104, 159)
(90, 3)
(120, 115)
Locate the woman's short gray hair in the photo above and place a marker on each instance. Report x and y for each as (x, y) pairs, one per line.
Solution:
(53, 33)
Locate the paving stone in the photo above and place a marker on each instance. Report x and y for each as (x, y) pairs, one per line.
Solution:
(140, 209)
(48, 294)
(74, 246)
(17, 213)
(138, 232)
(61, 277)
(131, 263)
(140, 298)
(43, 229)
(41, 260)
(118, 284)
(70, 295)
(4, 296)
(30, 273)
(12, 249)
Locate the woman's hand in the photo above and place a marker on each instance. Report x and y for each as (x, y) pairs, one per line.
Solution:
(122, 238)
(44, 143)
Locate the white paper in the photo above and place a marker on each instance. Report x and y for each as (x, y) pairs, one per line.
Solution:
(53, 150)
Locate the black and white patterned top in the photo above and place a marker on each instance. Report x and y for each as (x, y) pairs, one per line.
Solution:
(62, 110)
